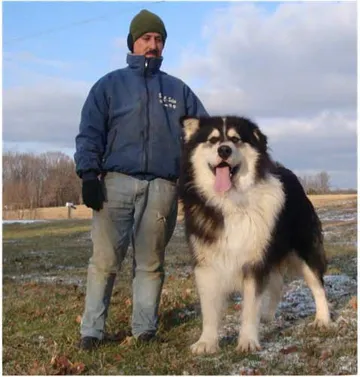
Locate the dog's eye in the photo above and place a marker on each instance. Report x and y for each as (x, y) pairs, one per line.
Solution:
(235, 139)
(214, 140)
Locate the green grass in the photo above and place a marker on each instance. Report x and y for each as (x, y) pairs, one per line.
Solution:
(41, 248)
(41, 328)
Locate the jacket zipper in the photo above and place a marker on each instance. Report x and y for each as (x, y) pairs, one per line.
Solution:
(147, 126)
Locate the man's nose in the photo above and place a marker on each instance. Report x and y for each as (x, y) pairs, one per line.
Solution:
(152, 43)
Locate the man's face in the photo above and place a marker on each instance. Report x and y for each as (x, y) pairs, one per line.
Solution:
(150, 44)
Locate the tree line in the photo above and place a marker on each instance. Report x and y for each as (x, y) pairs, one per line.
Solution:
(49, 180)
(316, 183)
(39, 180)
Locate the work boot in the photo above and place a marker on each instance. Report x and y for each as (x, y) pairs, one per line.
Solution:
(146, 337)
(88, 343)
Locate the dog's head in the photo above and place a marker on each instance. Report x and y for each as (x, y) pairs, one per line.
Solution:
(224, 151)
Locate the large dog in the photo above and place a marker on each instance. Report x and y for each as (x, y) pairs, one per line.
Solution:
(247, 219)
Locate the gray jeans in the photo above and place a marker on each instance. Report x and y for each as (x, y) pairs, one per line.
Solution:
(145, 213)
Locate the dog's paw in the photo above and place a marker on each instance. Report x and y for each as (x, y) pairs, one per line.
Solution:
(321, 324)
(202, 347)
(248, 345)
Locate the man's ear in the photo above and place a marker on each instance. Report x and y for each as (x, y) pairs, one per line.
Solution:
(190, 126)
(130, 42)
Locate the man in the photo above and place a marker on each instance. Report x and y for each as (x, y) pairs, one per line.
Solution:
(127, 154)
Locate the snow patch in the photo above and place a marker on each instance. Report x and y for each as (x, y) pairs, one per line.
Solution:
(23, 221)
(297, 301)
(49, 279)
(338, 215)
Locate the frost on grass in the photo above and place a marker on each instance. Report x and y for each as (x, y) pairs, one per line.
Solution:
(297, 301)
(338, 215)
(23, 221)
(48, 278)
(284, 341)
(339, 225)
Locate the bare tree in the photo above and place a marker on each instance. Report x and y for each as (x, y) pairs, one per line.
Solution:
(324, 182)
(62, 183)
(316, 184)
(31, 181)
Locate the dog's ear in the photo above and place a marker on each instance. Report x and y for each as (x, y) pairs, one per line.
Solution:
(190, 126)
(261, 139)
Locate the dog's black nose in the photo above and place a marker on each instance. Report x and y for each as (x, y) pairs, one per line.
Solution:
(224, 151)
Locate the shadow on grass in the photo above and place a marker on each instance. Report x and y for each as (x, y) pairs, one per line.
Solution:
(175, 317)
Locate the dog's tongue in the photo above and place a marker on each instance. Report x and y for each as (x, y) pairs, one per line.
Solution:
(222, 179)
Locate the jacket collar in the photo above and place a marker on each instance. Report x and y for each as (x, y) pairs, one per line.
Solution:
(143, 65)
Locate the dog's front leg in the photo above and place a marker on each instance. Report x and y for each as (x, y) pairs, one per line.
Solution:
(210, 289)
(248, 337)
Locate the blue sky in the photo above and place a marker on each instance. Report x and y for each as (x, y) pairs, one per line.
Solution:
(82, 34)
(291, 67)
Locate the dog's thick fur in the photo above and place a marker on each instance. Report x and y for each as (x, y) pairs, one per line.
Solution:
(247, 220)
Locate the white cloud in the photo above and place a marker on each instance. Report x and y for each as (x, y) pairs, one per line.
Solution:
(325, 142)
(326, 123)
(47, 112)
(296, 61)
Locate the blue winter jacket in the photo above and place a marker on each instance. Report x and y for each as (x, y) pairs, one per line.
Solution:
(130, 122)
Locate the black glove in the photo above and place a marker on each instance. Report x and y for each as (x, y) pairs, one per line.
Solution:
(93, 194)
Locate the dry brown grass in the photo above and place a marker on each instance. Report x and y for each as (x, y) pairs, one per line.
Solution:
(49, 213)
(82, 212)
(331, 199)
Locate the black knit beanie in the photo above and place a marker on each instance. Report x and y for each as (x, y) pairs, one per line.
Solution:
(145, 22)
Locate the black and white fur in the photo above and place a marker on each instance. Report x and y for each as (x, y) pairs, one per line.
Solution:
(246, 237)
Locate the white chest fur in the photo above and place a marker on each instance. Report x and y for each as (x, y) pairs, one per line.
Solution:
(249, 219)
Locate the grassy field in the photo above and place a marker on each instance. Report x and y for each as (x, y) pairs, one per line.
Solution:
(44, 272)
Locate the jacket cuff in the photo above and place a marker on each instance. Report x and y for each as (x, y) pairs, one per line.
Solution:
(89, 175)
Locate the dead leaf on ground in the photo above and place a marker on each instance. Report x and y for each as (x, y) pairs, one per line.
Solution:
(353, 302)
(290, 349)
(31, 284)
(325, 354)
(77, 368)
(128, 341)
(64, 366)
(78, 319)
(59, 361)
(37, 369)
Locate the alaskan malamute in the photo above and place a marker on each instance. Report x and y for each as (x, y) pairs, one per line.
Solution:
(247, 220)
